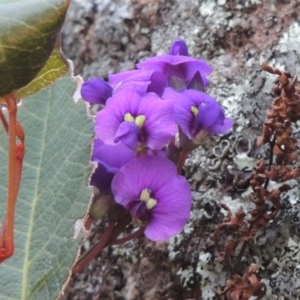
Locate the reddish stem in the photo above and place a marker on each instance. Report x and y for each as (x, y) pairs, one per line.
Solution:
(88, 222)
(15, 159)
(129, 237)
(182, 157)
(8, 231)
(3, 120)
(88, 257)
(2, 238)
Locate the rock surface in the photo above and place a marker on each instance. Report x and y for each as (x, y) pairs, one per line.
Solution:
(108, 36)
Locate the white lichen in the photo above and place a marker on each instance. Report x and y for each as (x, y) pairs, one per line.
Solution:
(185, 275)
(244, 162)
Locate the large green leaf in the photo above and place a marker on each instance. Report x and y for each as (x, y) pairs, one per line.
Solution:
(54, 192)
(55, 67)
(28, 31)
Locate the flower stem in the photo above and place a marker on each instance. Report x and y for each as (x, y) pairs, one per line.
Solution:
(92, 253)
(129, 237)
(182, 157)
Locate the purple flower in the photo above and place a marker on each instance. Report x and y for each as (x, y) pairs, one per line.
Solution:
(136, 121)
(181, 72)
(143, 81)
(113, 157)
(197, 114)
(175, 70)
(96, 91)
(101, 179)
(179, 47)
(110, 159)
(151, 190)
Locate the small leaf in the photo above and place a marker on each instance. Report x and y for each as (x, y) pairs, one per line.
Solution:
(28, 33)
(54, 192)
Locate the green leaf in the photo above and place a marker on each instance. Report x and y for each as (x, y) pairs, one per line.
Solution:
(55, 67)
(54, 192)
(29, 30)
(9, 1)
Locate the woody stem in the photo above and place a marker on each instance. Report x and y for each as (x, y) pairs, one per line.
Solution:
(239, 258)
(272, 144)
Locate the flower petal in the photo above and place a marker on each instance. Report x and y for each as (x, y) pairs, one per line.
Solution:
(117, 79)
(113, 157)
(159, 124)
(184, 67)
(171, 191)
(142, 80)
(190, 68)
(139, 87)
(158, 82)
(222, 128)
(102, 178)
(109, 119)
(140, 173)
(106, 125)
(172, 210)
(198, 97)
(127, 133)
(196, 82)
(179, 47)
(210, 113)
(96, 91)
(182, 109)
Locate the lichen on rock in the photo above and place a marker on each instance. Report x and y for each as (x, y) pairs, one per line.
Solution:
(235, 37)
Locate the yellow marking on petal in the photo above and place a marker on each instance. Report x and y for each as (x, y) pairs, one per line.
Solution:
(151, 203)
(128, 117)
(145, 195)
(140, 120)
(194, 110)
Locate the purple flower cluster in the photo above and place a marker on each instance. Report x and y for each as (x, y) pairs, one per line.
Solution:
(136, 129)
